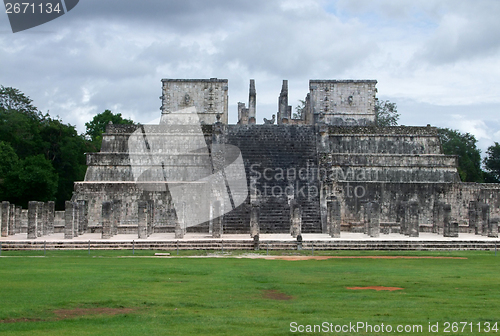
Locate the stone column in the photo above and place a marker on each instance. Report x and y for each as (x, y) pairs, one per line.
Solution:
(142, 224)
(39, 219)
(333, 207)
(252, 102)
(402, 216)
(69, 220)
(362, 217)
(373, 219)
(50, 216)
(437, 213)
(217, 222)
(283, 115)
(485, 218)
(413, 227)
(45, 219)
(76, 220)
(151, 207)
(448, 225)
(254, 208)
(12, 220)
(107, 211)
(17, 224)
(5, 219)
(296, 217)
(493, 228)
(453, 229)
(32, 229)
(473, 217)
(117, 215)
(323, 205)
(254, 220)
(82, 216)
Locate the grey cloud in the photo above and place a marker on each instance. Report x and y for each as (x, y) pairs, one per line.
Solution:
(467, 30)
(112, 54)
(297, 44)
(182, 15)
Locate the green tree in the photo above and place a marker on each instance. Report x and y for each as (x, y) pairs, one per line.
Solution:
(469, 156)
(8, 163)
(8, 159)
(299, 110)
(386, 113)
(492, 164)
(65, 149)
(97, 126)
(33, 178)
(19, 122)
(11, 99)
(29, 134)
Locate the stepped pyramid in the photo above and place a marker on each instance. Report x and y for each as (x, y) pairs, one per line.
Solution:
(334, 151)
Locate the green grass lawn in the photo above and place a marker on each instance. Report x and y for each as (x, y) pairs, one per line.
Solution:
(233, 296)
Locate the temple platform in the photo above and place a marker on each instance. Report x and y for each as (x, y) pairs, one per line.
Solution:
(203, 241)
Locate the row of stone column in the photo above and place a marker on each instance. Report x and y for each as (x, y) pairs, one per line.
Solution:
(295, 219)
(333, 219)
(10, 219)
(40, 219)
(75, 219)
(408, 217)
(480, 222)
(111, 218)
(443, 223)
(111, 212)
(216, 223)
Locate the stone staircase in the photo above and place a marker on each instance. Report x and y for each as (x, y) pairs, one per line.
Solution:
(228, 245)
(268, 150)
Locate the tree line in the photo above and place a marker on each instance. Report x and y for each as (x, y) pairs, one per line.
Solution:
(41, 157)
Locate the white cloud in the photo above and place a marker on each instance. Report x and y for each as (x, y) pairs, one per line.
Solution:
(112, 54)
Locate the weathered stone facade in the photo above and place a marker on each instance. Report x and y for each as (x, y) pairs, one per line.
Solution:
(341, 102)
(331, 171)
(209, 96)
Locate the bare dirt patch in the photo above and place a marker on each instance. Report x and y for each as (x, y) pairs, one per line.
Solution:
(77, 312)
(276, 295)
(20, 320)
(63, 314)
(377, 288)
(295, 258)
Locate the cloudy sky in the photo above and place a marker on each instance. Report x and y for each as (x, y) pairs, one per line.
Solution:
(438, 60)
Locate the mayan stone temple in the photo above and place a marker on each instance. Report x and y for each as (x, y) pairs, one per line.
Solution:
(331, 172)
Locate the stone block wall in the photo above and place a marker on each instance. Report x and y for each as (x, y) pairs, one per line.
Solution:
(209, 96)
(342, 102)
(311, 165)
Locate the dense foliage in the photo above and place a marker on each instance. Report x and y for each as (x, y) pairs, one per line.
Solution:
(97, 126)
(469, 156)
(492, 164)
(41, 157)
(386, 113)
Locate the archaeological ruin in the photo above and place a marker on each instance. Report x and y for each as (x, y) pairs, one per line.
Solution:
(331, 171)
